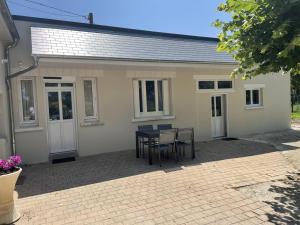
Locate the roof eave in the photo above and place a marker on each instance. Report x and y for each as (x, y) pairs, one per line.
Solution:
(64, 57)
(4, 10)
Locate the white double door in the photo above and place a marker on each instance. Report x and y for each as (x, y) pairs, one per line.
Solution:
(60, 117)
(218, 115)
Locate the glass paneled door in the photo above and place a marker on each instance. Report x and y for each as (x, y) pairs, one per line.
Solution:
(218, 118)
(60, 117)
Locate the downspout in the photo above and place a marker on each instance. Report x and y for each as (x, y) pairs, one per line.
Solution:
(8, 77)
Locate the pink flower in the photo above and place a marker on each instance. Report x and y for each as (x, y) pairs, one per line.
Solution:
(16, 159)
(7, 165)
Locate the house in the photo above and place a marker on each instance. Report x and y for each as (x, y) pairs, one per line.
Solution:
(8, 36)
(87, 87)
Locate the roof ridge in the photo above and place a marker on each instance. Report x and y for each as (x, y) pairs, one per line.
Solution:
(111, 28)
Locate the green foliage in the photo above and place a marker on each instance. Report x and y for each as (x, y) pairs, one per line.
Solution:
(263, 36)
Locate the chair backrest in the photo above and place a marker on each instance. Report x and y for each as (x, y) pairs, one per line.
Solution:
(145, 127)
(167, 136)
(185, 134)
(164, 126)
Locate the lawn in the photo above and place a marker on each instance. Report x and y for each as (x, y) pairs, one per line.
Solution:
(295, 115)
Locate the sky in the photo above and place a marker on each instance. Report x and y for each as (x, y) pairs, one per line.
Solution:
(191, 17)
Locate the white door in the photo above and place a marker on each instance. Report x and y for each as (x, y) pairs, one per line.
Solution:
(218, 116)
(60, 116)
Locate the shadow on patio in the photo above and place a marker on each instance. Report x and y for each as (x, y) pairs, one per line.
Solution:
(287, 206)
(45, 178)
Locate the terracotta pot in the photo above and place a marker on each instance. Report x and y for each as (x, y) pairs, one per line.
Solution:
(8, 212)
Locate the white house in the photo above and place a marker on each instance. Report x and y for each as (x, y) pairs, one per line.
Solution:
(88, 87)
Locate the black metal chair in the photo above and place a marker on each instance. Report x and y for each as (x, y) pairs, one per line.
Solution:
(164, 126)
(165, 142)
(184, 138)
(144, 141)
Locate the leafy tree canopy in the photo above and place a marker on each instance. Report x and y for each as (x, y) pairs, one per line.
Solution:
(263, 36)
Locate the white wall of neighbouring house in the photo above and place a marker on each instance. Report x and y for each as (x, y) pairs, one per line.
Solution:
(4, 112)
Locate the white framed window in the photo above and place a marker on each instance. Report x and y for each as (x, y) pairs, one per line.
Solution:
(27, 101)
(222, 85)
(90, 99)
(253, 97)
(151, 97)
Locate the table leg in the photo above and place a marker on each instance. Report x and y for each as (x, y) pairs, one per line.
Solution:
(193, 146)
(137, 146)
(150, 150)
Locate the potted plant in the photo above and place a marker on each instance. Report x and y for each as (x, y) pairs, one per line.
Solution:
(9, 173)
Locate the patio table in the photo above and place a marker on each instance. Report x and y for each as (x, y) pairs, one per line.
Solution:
(152, 135)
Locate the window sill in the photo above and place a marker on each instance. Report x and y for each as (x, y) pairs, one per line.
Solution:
(254, 107)
(28, 129)
(142, 119)
(89, 123)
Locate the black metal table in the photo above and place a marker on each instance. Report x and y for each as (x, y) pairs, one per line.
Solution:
(151, 135)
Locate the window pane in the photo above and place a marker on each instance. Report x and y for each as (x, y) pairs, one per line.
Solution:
(27, 100)
(66, 84)
(66, 99)
(248, 97)
(160, 95)
(88, 97)
(206, 85)
(255, 97)
(53, 106)
(213, 106)
(150, 95)
(218, 106)
(51, 84)
(140, 96)
(224, 84)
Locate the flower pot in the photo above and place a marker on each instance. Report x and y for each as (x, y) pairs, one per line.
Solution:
(8, 212)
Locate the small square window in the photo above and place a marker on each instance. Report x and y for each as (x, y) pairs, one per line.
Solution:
(254, 97)
(202, 85)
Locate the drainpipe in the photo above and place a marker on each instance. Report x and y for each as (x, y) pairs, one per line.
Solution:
(8, 77)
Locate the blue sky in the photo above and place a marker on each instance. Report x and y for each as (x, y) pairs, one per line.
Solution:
(193, 17)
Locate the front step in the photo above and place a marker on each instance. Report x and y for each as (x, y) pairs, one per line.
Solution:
(63, 157)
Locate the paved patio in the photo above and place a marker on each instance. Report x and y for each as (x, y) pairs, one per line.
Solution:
(117, 188)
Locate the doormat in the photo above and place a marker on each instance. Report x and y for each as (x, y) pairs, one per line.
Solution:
(21, 180)
(230, 139)
(63, 160)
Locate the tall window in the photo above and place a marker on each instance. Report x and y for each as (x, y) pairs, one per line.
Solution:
(254, 97)
(151, 97)
(90, 98)
(28, 111)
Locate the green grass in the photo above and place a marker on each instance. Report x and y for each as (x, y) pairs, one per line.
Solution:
(295, 115)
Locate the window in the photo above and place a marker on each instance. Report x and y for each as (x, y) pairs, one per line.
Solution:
(254, 97)
(206, 85)
(214, 85)
(224, 84)
(151, 97)
(28, 106)
(90, 99)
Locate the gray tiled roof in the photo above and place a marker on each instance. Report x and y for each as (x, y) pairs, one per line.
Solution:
(69, 42)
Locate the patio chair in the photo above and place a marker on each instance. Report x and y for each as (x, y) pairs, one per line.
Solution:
(165, 141)
(184, 138)
(144, 141)
(164, 126)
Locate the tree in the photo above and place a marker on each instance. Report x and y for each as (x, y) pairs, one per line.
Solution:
(263, 36)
